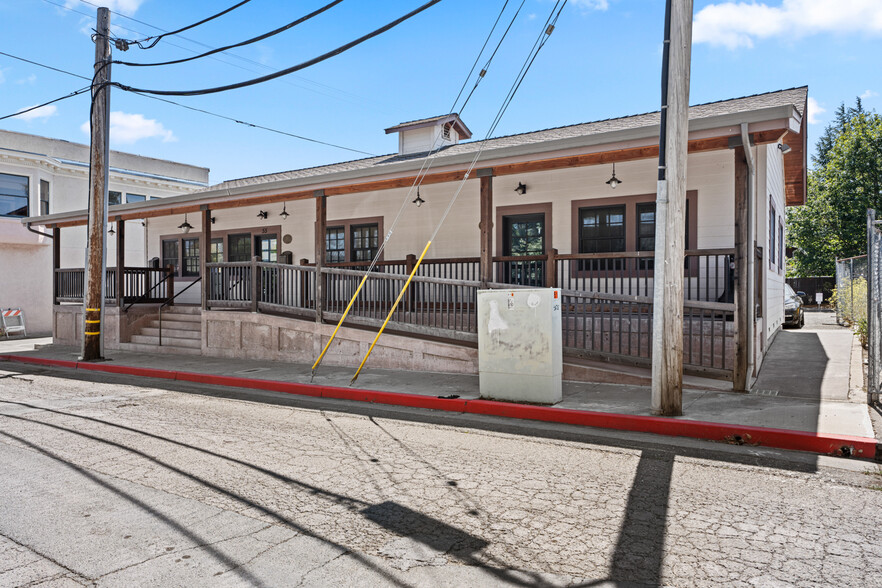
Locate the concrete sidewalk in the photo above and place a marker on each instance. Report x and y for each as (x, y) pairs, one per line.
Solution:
(773, 405)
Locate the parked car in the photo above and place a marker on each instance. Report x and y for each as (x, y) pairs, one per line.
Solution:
(794, 313)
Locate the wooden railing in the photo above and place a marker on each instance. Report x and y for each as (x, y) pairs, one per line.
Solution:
(606, 298)
(140, 284)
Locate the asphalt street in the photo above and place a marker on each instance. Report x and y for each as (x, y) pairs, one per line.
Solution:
(112, 481)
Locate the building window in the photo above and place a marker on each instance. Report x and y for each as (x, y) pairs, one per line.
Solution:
(44, 197)
(267, 247)
(239, 247)
(365, 242)
(335, 245)
(602, 229)
(114, 197)
(14, 193)
(170, 254)
(190, 248)
(646, 226)
(216, 251)
(135, 198)
(772, 217)
(780, 244)
(524, 234)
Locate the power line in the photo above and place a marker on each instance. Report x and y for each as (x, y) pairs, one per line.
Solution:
(289, 70)
(71, 95)
(272, 33)
(193, 108)
(338, 93)
(157, 38)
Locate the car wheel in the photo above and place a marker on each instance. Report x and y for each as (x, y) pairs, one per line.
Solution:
(801, 322)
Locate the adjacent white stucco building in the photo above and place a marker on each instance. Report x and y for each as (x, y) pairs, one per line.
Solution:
(39, 176)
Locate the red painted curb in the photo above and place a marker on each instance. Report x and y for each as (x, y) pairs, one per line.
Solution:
(125, 369)
(39, 361)
(842, 445)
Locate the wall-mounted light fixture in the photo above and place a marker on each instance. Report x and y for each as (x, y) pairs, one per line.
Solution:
(418, 200)
(284, 214)
(111, 231)
(521, 189)
(784, 147)
(213, 220)
(185, 226)
(614, 181)
(263, 214)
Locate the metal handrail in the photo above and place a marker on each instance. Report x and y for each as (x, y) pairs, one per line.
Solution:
(169, 301)
(148, 293)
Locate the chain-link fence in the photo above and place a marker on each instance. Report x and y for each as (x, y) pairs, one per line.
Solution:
(851, 291)
(874, 307)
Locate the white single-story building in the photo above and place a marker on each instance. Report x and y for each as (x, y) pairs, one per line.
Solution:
(538, 209)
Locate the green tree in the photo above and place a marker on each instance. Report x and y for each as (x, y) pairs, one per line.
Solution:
(845, 181)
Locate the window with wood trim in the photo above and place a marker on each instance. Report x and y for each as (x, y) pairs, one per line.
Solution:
(602, 229)
(524, 234)
(114, 197)
(170, 254)
(239, 247)
(190, 257)
(365, 242)
(216, 251)
(335, 245)
(353, 240)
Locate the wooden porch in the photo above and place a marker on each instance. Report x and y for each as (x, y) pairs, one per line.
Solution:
(607, 299)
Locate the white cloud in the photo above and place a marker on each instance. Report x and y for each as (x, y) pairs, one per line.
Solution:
(130, 128)
(869, 94)
(592, 4)
(738, 24)
(42, 112)
(128, 7)
(814, 111)
(28, 80)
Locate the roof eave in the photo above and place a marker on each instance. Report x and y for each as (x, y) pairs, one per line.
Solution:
(721, 125)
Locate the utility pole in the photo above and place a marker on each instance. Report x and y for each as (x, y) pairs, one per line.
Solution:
(96, 251)
(670, 213)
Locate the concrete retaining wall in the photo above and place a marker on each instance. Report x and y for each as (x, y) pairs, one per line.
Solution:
(265, 337)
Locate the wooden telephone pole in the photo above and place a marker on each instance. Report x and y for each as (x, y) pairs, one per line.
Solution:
(670, 213)
(96, 251)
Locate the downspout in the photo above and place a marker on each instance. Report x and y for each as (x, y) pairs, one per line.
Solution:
(28, 225)
(751, 256)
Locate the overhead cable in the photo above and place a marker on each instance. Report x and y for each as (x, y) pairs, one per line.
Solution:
(286, 71)
(157, 38)
(71, 95)
(193, 108)
(241, 44)
(339, 93)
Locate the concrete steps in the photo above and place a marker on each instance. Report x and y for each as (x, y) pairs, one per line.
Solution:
(181, 332)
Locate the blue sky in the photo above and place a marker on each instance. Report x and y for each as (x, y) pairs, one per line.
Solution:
(602, 61)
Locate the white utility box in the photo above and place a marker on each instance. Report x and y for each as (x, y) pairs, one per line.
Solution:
(519, 345)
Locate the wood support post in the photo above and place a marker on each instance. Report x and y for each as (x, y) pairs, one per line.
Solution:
(551, 269)
(321, 223)
(206, 251)
(120, 262)
(56, 263)
(96, 252)
(486, 225)
(667, 323)
(743, 251)
(255, 283)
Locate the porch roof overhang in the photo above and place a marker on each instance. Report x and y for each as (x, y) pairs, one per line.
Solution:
(766, 125)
